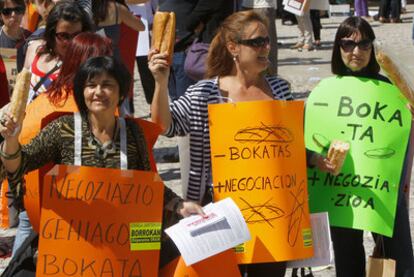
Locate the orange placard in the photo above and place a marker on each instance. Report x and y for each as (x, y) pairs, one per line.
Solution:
(258, 159)
(98, 222)
(223, 264)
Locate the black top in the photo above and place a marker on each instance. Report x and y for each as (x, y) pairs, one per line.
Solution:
(190, 13)
(365, 74)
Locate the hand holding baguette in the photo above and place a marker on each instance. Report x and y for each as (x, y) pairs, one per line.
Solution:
(11, 120)
(337, 153)
(394, 73)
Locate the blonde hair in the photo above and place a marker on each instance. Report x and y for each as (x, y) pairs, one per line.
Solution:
(219, 60)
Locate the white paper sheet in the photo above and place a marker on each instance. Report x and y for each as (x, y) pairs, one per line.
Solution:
(322, 245)
(144, 11)
(198, 238)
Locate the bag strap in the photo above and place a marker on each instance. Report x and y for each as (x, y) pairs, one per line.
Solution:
(44, 78)
(379, 249)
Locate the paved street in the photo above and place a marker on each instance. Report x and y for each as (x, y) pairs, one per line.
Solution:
(303, 70)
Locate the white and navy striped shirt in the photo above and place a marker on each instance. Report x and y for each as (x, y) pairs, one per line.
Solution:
(190, 116)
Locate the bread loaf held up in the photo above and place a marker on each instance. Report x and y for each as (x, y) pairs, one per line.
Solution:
(337, 154)
(20, 94)
(163, 33)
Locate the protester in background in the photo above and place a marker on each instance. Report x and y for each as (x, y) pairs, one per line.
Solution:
(146, 13)
(316, 26)
(100, 85)
(11, 34)
(305, 32)
(236, 63)
(64, 22)
(268, 9)
(361, 8)
(389, 11)
(351, 59)
(109, 14)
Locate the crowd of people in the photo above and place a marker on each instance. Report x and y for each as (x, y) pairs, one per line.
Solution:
(72, 49)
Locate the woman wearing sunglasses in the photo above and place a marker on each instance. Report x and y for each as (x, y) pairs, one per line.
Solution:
(236, 70)
(11, 34)
(353, 55)
(64, 22)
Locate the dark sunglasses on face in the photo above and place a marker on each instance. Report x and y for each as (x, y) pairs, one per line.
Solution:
(16, 10)
(349, 45)
(255, 42)
(63, 36)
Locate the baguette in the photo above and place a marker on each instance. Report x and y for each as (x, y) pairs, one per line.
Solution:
(395, 74)
(337, 153)
(163, 33)
(20, 94)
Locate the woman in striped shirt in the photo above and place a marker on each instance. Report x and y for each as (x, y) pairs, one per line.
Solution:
(236, 70)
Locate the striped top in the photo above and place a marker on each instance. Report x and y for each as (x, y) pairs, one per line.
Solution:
(190, 116)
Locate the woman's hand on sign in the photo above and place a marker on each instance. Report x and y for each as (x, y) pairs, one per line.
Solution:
(9, 128)
(158, 64)
(323, 164)
(188, 208)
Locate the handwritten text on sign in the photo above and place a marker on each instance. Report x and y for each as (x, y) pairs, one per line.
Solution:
(258, 159)
(373, 118)
(89, 217)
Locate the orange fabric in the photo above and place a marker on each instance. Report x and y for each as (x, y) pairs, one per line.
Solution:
(4, 210)
(31, 18)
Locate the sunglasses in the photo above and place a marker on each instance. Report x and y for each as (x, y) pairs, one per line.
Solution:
(16, 10)
(63, 36)
(255, 42)
(349, 45)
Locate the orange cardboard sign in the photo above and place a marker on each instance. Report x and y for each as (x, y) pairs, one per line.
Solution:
(213, 266)
(258, 159)
(100, 222)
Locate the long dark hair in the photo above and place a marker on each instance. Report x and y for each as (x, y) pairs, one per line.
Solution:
(349, 26)
(95, 67)
(67, 10)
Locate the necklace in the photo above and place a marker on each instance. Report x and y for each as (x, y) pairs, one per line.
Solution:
(102, 149)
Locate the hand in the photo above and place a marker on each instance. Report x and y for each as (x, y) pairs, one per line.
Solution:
(189, 208)
(9, 127)
(324, 165)
(158, 65)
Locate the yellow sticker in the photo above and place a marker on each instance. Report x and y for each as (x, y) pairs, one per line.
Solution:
(307, 237)
(145, 236)
(239, 248)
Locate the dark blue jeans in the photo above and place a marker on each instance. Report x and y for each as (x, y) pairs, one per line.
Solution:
(179, 81)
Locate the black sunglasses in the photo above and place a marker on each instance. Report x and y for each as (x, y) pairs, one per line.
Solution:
(349, 45)
(255, 42)
(63, 36)
(17, 10)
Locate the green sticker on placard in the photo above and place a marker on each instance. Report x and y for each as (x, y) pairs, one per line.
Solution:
(307, 237)
(145, 236)
(372, 116)
(239, 248)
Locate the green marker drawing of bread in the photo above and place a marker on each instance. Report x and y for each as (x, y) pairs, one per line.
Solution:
(380, 153)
